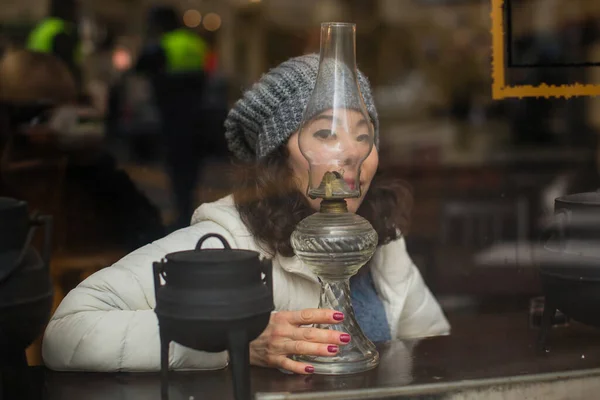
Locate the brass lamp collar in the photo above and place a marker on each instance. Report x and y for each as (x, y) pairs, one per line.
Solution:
(334, 206)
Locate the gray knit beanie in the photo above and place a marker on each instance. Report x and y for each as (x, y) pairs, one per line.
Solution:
(272, 110)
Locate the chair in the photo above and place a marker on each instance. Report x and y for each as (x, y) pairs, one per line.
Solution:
(484, 246)
(477, 223)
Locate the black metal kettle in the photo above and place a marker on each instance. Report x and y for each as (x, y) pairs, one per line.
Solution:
(569, 261)
(213, 300)
(25, 284)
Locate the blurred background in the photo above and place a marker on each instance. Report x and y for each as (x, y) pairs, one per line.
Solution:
(82, 122)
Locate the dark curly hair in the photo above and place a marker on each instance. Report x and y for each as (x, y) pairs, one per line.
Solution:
(267, 197)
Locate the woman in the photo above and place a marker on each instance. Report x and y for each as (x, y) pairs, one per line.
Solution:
(107, 323)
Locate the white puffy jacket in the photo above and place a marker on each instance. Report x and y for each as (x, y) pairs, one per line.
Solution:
(107, 323)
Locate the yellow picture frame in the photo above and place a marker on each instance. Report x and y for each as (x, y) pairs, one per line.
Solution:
(500, 90)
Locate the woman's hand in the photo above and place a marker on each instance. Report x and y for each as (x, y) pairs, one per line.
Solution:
(284, 336)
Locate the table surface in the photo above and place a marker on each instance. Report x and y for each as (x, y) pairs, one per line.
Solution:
(482, 348)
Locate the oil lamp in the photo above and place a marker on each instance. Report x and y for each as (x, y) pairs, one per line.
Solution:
(336, 136)
(213, 300)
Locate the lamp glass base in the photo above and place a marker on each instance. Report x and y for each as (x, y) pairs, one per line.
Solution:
(357, 356)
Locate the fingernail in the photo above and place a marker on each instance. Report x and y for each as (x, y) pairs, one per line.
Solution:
(345, 338)
(338, 316)
(332, 349)
(309, 369)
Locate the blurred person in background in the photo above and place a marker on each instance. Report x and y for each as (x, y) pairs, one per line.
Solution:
(95, 203)
(33, 89)
(58, 35)
(174, 59)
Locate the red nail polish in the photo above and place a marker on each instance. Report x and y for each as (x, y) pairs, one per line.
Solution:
(338, 316)
(309, 369)
(344, 338)
(332, 349)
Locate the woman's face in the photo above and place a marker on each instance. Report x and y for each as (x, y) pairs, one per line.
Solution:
(354, 129)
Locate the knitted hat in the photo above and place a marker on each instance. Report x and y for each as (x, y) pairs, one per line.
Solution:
(272, 110)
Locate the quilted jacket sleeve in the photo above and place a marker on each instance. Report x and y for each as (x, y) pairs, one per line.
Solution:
(413, 312)
(422, 315)
(107, 323)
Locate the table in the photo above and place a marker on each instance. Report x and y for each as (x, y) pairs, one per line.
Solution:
(488, 353)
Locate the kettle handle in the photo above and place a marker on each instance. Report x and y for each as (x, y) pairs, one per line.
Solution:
(556, 227)
(35, 221)
(209, 235)
(267, 269)
(48, 223)
(158, 271)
